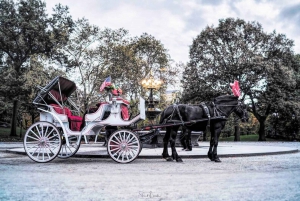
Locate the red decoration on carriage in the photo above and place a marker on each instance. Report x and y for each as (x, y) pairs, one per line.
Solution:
(116, 91)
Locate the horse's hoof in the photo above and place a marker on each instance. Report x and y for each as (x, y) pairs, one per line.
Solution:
(211, 158)
(169, 159)
(179, 160)
(217, 160)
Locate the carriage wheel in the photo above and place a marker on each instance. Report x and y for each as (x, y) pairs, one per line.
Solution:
(123, 146)
(42, 142)
(68, 151)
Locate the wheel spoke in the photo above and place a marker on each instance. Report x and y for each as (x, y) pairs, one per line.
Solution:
(33, 138)
(131, 139)
(34, 134)
(113, 145)
(132, 143)
(115, 142)
(56, 135)
(38, 130)
(114, 149)
(132, 146)
(50, 133)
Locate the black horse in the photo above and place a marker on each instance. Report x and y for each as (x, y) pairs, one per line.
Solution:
(185, 139)
(222, 106)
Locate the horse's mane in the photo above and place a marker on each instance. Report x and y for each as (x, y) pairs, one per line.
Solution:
(225, 98)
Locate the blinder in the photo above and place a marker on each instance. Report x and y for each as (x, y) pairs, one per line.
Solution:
(241, 108)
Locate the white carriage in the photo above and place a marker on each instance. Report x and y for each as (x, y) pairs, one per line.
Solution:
(59, 131)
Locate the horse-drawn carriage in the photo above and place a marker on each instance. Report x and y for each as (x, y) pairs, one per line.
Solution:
(59, 131)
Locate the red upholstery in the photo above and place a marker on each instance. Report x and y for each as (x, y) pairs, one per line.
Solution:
(67, 111)
(124, 101)
(75, 121)
(125, 113)
(57, 108)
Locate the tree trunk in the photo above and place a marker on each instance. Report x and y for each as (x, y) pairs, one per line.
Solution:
(13, 127)
(204, 136)
(261, 132)
(237, 133)
(236, 129)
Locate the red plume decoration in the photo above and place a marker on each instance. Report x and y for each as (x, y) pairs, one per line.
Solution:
(235, 88)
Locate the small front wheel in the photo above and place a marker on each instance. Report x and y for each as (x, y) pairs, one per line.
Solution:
(123, 146)
(42, 142)
(68, 151)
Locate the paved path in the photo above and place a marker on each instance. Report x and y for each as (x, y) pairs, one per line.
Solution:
(266, 177)
(225, 149)
(257, 178)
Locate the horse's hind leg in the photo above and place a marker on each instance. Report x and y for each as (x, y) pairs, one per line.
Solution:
(189, 141)
(165, 153)
(172, 143)
(183, 138)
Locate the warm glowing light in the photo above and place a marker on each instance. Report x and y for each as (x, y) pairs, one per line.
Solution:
(151, 83)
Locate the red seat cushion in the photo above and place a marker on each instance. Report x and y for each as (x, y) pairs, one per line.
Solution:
(67, 111)
(57, 108)
(75, 122)
(75, 118)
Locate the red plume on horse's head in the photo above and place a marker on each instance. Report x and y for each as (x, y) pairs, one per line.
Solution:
(235, 88)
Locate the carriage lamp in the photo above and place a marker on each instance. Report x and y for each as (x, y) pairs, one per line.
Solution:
(151, 84)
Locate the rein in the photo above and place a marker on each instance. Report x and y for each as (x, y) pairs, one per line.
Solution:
(234, 106)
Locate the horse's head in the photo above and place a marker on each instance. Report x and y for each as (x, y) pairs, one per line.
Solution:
(241, 111)
(227, 104)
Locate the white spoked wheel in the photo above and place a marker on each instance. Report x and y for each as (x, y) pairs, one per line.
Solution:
(68, 151)
(42, 142)
(123, 146)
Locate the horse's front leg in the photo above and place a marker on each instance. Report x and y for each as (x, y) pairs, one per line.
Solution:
(165, 153)
(216, 142)
(210, 151)
(172, 143)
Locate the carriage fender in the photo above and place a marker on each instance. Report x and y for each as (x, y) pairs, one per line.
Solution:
(60, 122)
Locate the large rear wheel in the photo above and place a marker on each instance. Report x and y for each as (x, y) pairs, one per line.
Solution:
(123, 146)
(42, 142)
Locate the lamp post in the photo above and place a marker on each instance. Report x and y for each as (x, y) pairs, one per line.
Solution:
(151, 84)
(151, 112)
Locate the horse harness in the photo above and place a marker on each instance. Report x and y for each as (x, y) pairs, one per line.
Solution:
(217, 112)
(203, 105)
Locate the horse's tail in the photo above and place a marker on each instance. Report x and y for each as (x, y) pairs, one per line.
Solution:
(165, 114)
(162, 116)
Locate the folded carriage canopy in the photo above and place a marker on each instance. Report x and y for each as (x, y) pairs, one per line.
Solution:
(57, 86)
(60, 89)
